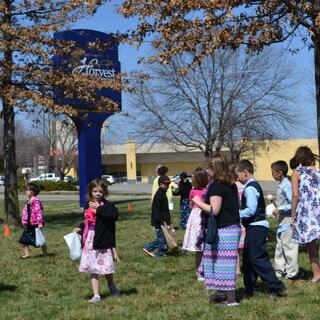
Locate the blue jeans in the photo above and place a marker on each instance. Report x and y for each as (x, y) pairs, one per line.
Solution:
(158, 243)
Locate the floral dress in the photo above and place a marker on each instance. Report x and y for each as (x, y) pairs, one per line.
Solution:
(94, 261)
(190, 240)
(307, 220)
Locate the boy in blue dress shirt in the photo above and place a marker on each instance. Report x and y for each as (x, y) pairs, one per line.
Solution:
(286, 254)
(256, 261)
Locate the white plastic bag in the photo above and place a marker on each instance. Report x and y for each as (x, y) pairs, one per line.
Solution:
(269, 210)
(40, 238)
(73, 241)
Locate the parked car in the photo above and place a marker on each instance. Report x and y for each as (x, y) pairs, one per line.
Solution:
(46, 177)
(1, 180)
(108, 178)
(68, 179)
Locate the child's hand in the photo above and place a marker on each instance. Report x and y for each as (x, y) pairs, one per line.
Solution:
(115, 256)
(196, 200)
(94, 205)
(293, 226)
(77, 230)
(275, 212)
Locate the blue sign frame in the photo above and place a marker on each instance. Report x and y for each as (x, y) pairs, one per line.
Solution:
(97, 63)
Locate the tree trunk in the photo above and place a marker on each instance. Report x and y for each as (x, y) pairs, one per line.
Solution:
(316, 41)
(11, 203)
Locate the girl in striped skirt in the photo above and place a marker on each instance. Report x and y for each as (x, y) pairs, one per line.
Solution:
(219, 262)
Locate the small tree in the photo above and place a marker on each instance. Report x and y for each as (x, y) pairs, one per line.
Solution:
(227, 101)
(27, 74)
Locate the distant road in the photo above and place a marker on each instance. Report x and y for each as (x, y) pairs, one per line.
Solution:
(123, 191)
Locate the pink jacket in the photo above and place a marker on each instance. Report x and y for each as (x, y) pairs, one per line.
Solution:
(90, 215)
(89, 219)
(36, 215)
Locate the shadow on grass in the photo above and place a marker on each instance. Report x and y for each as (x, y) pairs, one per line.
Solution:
(305, 274)
(73, 217)
(260, 287)
(7, 287)
(123, 292)
(48, 255)
(129, 200)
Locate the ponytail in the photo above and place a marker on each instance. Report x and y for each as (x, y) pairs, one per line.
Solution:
(304, 157)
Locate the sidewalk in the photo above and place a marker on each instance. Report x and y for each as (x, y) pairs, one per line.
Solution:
(139, 189)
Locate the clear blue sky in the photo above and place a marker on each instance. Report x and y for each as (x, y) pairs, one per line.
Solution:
(107, 20)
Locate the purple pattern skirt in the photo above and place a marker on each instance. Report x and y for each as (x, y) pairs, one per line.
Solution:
(219, 262)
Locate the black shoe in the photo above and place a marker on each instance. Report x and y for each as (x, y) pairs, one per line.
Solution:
(248, 295)
(279, 293)
(217, 297)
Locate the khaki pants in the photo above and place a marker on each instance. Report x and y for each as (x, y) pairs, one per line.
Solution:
(286, 255)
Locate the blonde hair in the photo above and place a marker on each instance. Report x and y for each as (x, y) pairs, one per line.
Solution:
(221, 172)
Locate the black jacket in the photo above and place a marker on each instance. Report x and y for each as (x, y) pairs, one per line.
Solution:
(160, 209)
(105, 227)
(183, 190)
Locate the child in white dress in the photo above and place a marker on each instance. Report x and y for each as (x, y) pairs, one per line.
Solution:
(193, 229)
(98, 238)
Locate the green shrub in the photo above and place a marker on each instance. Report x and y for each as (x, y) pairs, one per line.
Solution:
(22, 185)
(50, 185)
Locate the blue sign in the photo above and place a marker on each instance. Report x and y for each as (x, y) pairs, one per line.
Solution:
(93, 62)
(97, 57)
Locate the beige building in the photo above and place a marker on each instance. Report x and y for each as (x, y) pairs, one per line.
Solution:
(132, 160)
(278, 150)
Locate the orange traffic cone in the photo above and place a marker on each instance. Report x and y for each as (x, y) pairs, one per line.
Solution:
(130, 209)
(6, 230)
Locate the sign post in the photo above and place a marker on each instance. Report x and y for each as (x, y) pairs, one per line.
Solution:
(89, 122)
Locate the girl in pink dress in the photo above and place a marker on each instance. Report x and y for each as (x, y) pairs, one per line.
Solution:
(98, 238)
(193, 229)
(32, 217)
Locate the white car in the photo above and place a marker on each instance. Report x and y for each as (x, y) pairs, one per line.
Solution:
(176, 178)
(46, 177)
(1, 180)
(109, 178)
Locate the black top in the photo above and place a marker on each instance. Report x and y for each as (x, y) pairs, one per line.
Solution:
(183, 190)
(261, 207)
(105, 227)
(160, 209)
(229, 212)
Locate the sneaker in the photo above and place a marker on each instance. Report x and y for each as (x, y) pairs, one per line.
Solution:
(149, 253)
(218, 297)
(95, 299)
(199, 276)
(229, 304)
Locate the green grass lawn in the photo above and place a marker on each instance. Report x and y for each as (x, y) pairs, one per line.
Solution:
(52, 288)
